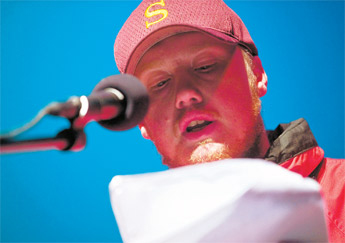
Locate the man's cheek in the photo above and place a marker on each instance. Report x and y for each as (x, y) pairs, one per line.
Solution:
(156, 126)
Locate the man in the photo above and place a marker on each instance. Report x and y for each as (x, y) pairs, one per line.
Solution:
(205, 79)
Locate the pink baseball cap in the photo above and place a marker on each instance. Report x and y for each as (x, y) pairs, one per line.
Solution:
(154, 20)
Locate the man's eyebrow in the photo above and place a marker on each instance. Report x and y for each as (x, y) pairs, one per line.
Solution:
(148, 73)
(149, 68)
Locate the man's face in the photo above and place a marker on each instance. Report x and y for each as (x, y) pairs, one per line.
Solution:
(202, 106)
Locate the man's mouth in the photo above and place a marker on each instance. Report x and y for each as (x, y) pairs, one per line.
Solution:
(197, 125)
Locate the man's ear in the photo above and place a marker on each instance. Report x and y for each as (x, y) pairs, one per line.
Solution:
(261, 77)
(143, 131)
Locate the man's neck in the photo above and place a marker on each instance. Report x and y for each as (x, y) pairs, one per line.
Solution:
(261, 143)
(264, 144)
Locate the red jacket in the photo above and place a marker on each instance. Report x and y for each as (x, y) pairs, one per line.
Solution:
(294, 147)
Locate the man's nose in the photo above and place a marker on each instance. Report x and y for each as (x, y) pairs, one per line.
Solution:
(187, 96)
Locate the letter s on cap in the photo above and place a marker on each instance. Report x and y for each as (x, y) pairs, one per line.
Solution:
(149, 14)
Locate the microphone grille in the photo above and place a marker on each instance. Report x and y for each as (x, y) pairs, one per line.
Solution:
(136, 101)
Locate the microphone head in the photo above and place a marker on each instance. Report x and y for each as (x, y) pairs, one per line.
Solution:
(136, 101)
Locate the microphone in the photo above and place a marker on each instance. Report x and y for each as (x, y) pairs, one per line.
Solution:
(118, 102)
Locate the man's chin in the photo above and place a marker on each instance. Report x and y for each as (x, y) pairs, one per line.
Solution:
(206, 151)
(209, 151)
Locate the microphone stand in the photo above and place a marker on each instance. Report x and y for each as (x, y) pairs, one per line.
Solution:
(71, 139)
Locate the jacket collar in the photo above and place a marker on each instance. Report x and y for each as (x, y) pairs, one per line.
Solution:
(289, 140)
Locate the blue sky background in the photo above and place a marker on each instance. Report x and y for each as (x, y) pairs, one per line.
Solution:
(51, 50)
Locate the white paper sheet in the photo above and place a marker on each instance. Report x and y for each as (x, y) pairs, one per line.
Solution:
(238, 200)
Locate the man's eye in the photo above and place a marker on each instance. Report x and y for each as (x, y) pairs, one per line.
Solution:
(205, 68)
(161, 84)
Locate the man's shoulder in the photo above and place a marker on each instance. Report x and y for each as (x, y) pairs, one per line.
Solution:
(335, 164)
(334, 168)
(332, 181)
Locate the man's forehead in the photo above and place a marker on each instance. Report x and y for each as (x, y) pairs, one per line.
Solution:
(183, 44)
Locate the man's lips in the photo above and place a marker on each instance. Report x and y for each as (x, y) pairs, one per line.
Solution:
(195, 121)
(198, 125)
